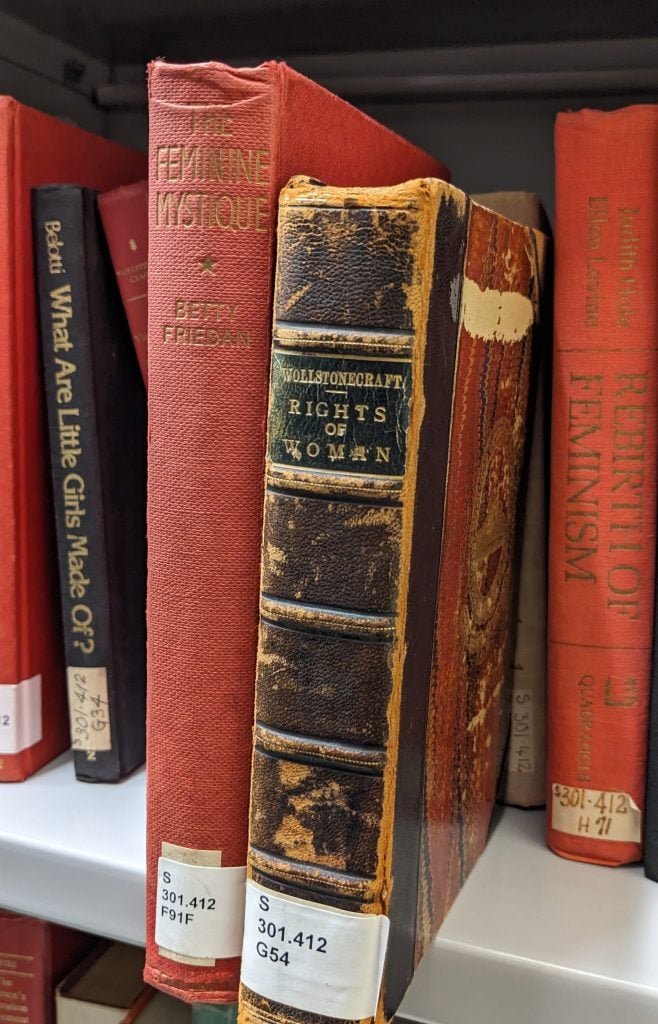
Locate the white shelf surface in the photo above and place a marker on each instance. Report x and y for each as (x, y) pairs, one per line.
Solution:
(74, 852)
(536, 939)
(532, 938)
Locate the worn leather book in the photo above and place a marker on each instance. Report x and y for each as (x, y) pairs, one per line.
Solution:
(523, 777)
(125, 215)
(403, 322)
(97, 427)
(223, 141)
(603, 481)
(34, 956)
(34, 149)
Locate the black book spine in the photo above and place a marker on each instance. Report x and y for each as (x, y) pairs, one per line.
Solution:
(651, 797)
(97, 429)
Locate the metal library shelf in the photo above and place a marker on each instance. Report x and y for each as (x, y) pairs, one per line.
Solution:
(532, 938)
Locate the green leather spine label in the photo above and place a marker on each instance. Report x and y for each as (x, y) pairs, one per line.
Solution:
(341, 414)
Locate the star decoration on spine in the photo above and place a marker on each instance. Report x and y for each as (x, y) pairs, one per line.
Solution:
(207, 264)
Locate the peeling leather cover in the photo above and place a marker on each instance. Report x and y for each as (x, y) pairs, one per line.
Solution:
(403, 321)
(523, 776)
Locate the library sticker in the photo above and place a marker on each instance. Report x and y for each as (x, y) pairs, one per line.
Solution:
(595, 813)
(314, 958)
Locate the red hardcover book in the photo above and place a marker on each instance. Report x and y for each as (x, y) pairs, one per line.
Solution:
(125, 215)
(603, 481)
(223, 141)
(35, 149)
(34, 956)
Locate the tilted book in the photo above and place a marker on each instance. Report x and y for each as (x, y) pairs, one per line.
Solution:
(603, 481)
(97, 427)
(34, 149)
(523, 779)
(125, 215)
(223, 141)
(403, 323)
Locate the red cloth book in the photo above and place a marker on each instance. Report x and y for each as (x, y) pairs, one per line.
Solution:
(35, 149)
(125, 215)
(223, 141)
(603, 481)
(34, 957)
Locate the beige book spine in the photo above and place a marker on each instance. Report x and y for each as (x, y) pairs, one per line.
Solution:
(523, 781)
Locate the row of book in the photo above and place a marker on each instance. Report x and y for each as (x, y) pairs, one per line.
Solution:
(55, 975)
(371, 605)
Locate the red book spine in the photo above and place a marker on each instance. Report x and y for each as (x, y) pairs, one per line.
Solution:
(603, 481)
(209, 277)
(25, 986)
(124, 212)
(34, 956)
(223, 141)
(35, 149)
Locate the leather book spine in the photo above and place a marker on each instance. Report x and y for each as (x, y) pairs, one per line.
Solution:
(500, 301)
(124, 212)
(359, 416)
(97, 429)
(603, 482)
(523, 776)
(34, 149)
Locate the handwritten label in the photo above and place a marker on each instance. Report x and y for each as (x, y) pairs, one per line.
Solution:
(595, 813)
(311, 957)
(521, 742)
(199, 909)
(20, 715)
(89, 708)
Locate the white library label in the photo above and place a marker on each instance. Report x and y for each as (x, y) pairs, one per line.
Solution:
(20, 715)
(521, 758)
(199, 909)
(596, 813)
(312, 957)
(89, 708)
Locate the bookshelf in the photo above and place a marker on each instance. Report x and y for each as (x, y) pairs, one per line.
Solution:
(74, 853)
(532, 939)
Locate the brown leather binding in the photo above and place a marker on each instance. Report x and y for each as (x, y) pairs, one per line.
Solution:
(371, 329)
